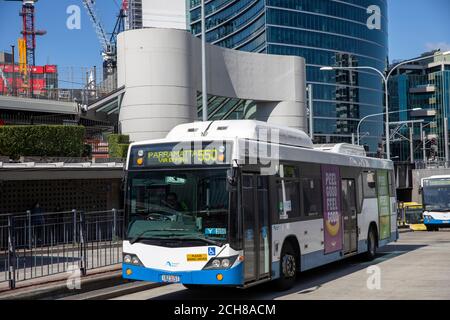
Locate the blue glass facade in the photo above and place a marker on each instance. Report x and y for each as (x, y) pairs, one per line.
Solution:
(407, 91)
(236, 24)
(325, 33)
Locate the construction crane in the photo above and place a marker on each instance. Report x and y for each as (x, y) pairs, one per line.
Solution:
(120, 22)
(29, 34)
(108, 44)
(28, 29)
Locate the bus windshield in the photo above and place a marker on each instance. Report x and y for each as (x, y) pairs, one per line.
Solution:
(181, 204)
(436, 198)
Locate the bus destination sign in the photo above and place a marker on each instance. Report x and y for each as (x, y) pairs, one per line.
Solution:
(436, 182)
(187, 153)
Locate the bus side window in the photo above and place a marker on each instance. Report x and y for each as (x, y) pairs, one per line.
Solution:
(312, 201)
(392, 184)
(369, 184)
(292, 204)
(360, 183)
(311, 189)
(289, 203)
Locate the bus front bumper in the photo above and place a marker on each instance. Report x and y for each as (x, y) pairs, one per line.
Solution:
(436, 222)
(233, 276)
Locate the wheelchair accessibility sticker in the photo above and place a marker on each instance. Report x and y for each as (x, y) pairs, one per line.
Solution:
(211, 251)
(215, 231)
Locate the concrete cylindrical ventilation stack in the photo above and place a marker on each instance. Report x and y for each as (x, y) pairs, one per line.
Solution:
(155, 69)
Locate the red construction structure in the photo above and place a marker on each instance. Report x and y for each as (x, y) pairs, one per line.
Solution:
(42, 79)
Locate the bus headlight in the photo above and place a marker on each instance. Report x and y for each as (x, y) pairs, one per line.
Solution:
(220, 263)
(131, 259)
(225, 263)
(216, 263)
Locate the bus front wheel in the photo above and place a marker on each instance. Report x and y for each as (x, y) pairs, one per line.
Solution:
(288, 268)
(432, 228)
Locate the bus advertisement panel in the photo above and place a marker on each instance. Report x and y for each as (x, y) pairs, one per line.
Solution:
(384, 208)
(332, 217)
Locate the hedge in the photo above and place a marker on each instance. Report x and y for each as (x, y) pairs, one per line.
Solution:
(42, 141)
(118, 145)
(87, 151)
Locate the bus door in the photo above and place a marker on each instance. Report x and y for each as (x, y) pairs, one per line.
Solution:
(349, 213)
(255, 208)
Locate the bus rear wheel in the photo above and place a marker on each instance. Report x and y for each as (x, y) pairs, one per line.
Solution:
(371, 245)
(288, 268)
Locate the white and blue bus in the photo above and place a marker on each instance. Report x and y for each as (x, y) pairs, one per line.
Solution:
(241, 202)
(436, 202)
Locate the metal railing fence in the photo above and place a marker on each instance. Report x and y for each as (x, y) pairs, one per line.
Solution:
(34, 245)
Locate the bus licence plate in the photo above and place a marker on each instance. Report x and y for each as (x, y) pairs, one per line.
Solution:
(170, 278)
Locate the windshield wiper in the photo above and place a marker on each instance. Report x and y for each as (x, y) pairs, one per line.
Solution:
(177, 237)
(139, 236)
(216, 243)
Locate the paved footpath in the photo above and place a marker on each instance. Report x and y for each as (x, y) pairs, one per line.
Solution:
(416, 267)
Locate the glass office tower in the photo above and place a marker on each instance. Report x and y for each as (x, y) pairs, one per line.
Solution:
(325, 33)
(421, 85)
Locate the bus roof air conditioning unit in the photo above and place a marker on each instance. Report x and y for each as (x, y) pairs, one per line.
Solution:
(343, 148)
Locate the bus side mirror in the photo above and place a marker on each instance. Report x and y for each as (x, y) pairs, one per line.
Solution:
(420, 190)
(232, 176)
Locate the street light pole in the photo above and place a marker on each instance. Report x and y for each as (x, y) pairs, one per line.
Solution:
(387, 131)
(446, 140)
(204, 87)
(379, 114)
(411, 143)
(386, 82)
(359, 124)
(385, 79)
(422, 137)
(311, 111)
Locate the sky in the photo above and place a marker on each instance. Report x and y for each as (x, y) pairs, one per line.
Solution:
(415, 26)
(60, 45)
(418, 26)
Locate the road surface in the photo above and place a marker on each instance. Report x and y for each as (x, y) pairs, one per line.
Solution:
(415, 267)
